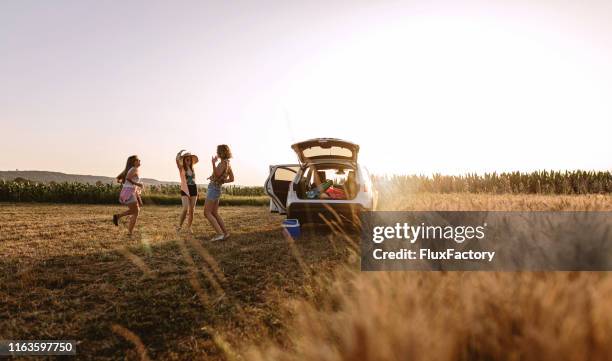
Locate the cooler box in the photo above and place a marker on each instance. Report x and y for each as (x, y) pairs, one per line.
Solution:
(292, 226)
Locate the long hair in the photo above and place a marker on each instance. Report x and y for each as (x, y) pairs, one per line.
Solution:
(224, 152)
(185, 167)
(129, 164)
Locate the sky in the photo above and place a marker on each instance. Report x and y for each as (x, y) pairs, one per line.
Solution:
(422, 86)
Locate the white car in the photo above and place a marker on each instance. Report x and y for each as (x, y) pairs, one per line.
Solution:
(296, 189)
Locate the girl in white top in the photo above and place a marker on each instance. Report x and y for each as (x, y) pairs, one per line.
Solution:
(130, 192)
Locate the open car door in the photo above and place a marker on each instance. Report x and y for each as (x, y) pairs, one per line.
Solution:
(277, 185)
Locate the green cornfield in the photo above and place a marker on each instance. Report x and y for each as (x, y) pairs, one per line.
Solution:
(540, 182)
(81, 193)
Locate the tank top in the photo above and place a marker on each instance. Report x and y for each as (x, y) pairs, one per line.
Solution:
(127, 183)
(190, 177)
(219, 180)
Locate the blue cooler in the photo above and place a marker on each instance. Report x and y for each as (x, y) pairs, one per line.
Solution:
(292, 226)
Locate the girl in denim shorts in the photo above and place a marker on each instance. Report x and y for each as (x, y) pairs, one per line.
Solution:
(222, 173)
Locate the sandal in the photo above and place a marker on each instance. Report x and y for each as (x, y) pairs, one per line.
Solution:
(218, 237)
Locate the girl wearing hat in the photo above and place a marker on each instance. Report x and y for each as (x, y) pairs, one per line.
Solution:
(222, 173)
(130, 192)
(189, 188)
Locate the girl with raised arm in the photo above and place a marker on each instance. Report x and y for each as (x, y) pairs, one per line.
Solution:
(189, 188)
(222, 173)
(130, 192)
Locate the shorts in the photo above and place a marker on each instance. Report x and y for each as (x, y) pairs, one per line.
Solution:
(193, 191)
(213, 192)
(128, 196)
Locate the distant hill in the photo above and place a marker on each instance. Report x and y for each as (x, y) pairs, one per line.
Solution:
(58, 177)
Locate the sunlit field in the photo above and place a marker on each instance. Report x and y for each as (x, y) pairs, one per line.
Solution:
(67, 273)
(477, 113)
(455, 315)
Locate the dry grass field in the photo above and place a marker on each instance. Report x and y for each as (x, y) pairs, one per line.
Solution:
(439, 316)
(67, 273)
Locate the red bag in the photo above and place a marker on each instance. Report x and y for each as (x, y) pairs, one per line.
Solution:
(335, 193)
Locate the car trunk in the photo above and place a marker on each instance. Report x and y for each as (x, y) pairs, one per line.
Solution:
(328, 181)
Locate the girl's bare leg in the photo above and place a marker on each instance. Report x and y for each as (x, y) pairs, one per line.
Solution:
(208, 212)
(215, 213)
(135, 209)
(191, 210)
(184, 211)
(126, 213)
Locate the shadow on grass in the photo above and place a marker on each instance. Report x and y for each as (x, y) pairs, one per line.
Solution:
(173, 295)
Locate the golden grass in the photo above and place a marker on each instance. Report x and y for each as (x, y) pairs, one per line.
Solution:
(66, 272)
(492, 202)
(393, 316)
(453, 316)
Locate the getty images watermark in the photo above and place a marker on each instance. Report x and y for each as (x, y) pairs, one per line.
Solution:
(502, 241)
(412, 233)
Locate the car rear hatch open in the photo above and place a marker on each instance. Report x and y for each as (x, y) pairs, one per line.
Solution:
(325, 148)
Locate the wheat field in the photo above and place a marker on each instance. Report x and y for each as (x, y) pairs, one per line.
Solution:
(397, 316)
(67, 273)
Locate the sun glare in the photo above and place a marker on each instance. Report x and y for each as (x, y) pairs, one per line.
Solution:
(451, 95)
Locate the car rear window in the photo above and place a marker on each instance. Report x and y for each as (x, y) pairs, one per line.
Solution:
(318, 151)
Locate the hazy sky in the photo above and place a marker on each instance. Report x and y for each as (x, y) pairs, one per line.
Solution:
(423, 86)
